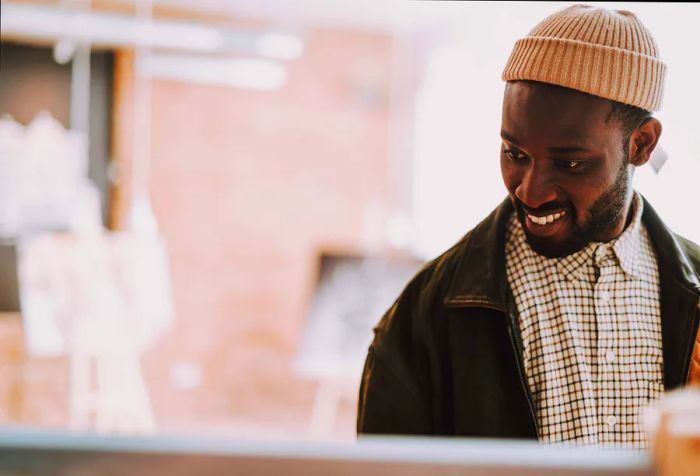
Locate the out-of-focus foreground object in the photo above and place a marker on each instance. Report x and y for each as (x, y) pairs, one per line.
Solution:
(673, 424)
(41, 452)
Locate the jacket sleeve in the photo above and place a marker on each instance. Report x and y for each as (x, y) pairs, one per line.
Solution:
(387, 404)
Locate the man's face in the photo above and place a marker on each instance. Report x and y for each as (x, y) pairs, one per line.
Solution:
(564, 166)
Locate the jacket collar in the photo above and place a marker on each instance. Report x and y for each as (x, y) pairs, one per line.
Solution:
(480, 273)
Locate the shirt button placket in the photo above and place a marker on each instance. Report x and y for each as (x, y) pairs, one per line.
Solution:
(602, 300)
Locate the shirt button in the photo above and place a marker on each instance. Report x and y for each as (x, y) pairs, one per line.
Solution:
(605, 296)
(610, 356)
(612, 420)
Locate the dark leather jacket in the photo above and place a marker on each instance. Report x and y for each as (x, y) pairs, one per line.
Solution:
(447, 356)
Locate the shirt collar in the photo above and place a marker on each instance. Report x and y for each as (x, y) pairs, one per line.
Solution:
(628, 247)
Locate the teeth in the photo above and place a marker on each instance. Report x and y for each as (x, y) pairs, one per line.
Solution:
(546, 219)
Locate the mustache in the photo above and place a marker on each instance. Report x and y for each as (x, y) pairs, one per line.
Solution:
(542, 209)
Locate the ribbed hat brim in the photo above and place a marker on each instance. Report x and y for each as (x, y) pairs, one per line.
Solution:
(612, 73)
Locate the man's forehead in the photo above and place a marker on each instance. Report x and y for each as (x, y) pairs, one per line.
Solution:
(538, 94)
(564, 114)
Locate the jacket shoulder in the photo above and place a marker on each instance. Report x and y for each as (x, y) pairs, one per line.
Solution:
(401, 349)
(423, 299)
(395, 390)
(410, 323)
(430, 284)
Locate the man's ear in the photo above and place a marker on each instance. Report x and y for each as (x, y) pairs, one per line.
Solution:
(643, 141)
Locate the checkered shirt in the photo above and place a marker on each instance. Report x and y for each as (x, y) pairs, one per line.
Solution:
(591, 329)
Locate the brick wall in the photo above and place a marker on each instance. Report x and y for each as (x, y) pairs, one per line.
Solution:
(247, 186)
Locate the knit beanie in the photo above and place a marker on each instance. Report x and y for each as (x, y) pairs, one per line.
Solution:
(607, 53)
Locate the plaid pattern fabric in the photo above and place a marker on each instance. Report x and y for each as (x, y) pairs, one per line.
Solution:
(591, 329)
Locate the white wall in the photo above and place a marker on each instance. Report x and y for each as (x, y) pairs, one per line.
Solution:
(457, 174)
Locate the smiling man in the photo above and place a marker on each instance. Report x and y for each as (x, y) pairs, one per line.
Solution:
(572, 306)
(566, 159)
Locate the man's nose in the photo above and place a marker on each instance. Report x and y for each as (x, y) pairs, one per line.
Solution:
(536, 188)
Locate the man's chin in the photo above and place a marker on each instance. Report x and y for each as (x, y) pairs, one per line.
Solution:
(564, 240)
(550, 248)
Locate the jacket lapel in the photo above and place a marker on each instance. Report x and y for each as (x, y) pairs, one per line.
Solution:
(680, 294)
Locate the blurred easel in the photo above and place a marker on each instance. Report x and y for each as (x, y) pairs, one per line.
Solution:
(107, 390)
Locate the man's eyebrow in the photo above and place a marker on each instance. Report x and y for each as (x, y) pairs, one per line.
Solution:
(509, 137)
(571, 149)
(567, 150)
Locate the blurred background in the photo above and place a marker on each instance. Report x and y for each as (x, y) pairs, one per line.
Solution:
(205, 206)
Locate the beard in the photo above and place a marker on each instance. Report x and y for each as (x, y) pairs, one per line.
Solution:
(603, 217)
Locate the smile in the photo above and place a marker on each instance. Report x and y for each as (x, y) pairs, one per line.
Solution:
(547, 219)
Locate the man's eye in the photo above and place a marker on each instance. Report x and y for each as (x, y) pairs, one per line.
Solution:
(570, 164)
(514, 154)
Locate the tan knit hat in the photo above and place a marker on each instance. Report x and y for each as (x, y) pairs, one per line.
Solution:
(608, 53)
